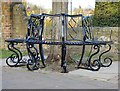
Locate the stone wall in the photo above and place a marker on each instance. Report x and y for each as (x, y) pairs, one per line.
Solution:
(13, 21)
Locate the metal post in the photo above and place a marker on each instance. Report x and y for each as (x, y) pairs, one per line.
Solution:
(63, 61)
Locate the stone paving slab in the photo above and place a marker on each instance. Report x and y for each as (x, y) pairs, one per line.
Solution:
(105, 73)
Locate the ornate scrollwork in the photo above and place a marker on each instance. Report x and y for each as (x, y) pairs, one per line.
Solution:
(14, 58)
(107, 61)
(33, 63)
(94, 64)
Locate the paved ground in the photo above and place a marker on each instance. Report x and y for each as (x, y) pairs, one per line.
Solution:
(17, 78)
(109, 74)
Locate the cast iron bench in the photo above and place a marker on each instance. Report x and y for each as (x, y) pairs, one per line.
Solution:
(34, 37)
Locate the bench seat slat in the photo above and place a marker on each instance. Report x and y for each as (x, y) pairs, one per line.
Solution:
(35, 41)
(16, 40)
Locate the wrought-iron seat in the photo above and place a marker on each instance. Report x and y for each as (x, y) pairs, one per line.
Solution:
(11, 40)
(59, 43)
(35, 41)
(88, 43)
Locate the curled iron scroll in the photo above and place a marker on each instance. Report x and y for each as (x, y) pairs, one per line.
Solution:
(107, 61)
(33, 62)
(94, 64)
(14, 58)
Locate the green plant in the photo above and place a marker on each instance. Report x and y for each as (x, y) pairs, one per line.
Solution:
(5, 53)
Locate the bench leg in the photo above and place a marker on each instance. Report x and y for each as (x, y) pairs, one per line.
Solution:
(33, 63)
(94, 64)
(63, 61)
(107, 61)
(14, 58)
(42, 55)
(81, 58)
